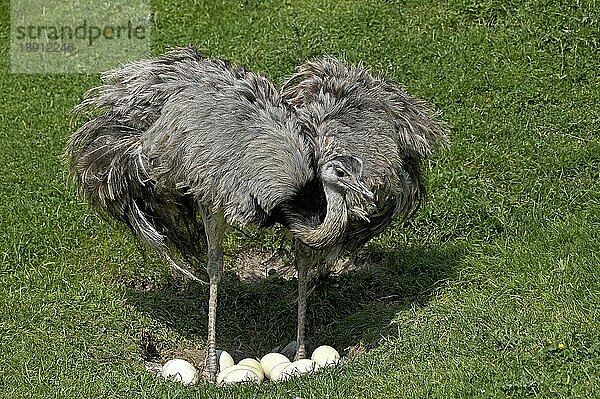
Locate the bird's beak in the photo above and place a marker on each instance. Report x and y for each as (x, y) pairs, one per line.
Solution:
(364, 190)
(360, 187)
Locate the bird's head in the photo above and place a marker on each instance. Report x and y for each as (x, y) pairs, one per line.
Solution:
(346, 193)
(344, 174)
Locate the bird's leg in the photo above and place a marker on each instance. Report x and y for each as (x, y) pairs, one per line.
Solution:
(214, 226)
(302, 265)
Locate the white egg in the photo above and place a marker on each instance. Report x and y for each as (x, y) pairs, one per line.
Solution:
(225, 360)
(276, 372)
(325, 355)
(181, 371)
(298, 367)
(271, 360)
(255, 364)
(238, 374)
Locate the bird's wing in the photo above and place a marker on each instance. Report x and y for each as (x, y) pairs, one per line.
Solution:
(352, 112)
(337, 88)
(234, 146)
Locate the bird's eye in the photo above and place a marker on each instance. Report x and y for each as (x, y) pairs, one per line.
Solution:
(339, 172)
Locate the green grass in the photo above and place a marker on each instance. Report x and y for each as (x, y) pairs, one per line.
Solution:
(471, 298)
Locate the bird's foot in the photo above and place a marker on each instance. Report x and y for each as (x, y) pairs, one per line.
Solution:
(211, 368)
(210, 375)
(300, 352)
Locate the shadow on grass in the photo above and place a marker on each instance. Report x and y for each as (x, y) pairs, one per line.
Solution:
(352, 311)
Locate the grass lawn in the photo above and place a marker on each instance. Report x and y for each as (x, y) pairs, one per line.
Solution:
(491, 291)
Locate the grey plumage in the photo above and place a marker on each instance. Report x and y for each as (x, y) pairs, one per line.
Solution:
(349, 112)
(180, 146)
(183, 136)
(182, 130)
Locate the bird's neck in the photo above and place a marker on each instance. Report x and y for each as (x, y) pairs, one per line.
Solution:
(333, 226)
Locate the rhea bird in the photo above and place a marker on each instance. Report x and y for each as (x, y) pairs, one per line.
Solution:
(180, 146)
(374, 124)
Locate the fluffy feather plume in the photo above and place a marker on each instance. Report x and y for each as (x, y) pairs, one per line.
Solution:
(349, 111)
(178, 132)
(110, 167)
(334, 158)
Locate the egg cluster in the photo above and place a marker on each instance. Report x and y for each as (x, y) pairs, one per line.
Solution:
(272, 366)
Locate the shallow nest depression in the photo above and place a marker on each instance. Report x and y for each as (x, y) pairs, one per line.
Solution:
(257, 309)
